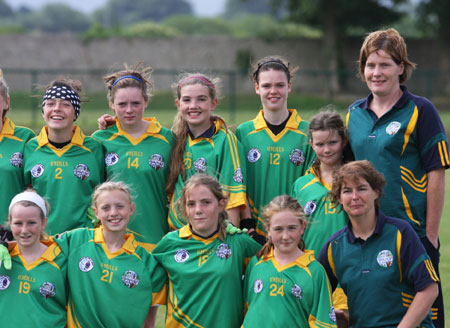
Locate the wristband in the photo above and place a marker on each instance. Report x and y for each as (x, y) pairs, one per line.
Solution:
(248, 223)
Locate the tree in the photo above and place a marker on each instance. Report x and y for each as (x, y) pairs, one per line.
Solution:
(335, 18)
(124, 12)
(5, 10)
(56, 18)
(238, 7)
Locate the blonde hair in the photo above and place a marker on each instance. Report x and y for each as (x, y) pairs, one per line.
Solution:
(277, 205)
(393, 43)
(138, 77)
(4, 91)
(27, 203)
(201, 179)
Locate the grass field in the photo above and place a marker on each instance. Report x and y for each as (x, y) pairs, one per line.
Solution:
(162, 106)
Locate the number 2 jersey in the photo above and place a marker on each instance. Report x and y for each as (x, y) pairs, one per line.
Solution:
(273, 162)
(66, 177)
(142, 163)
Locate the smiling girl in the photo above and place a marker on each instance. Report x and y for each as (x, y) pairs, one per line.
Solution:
(203, 144)
(284, 285)
(276, 141)
(138, 151)
(61, 163)
(38, 276)
(204, 265)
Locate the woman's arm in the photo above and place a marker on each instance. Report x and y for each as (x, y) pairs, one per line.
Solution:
(435, 203)
(419, 307)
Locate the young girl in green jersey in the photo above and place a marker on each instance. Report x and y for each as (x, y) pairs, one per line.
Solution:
(107, 267)
(284, 277)
(203, 144)
(203, 263)
(61, 163)
(37, 279)
(275, 142)
(138, 151)
(12, 143)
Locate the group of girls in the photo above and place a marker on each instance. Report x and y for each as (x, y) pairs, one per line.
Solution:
(202, 264)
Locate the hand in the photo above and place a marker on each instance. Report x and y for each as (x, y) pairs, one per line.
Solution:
(105, 121)
(433, 240)
(342, 318)
(5, 258)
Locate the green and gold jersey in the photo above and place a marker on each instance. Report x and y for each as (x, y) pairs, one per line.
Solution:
(142, 163)
(297, 294)
(323, 218)
(205, 286)
(219, 156)
(12, 144)
(66, 177)
(107, 289)
(35, 294)
(273, 162)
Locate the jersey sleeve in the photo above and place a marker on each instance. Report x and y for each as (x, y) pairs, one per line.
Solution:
(431, 136)
(159, 280)
(322, 314)
(325, 258)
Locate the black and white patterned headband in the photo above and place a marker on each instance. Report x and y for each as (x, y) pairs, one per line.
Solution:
(62, 91)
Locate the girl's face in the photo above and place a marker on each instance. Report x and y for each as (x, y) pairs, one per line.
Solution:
(328, 145)
(358, 198)
(58, 114)
(202, 209)
(113, 208)
(27, 225)
(129, 105)
(285, 231)
(195, 106)
(273, 88)
(382, 74)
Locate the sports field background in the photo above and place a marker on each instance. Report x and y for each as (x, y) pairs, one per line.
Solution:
(162, 107)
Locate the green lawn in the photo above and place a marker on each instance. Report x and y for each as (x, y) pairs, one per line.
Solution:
(162, 106)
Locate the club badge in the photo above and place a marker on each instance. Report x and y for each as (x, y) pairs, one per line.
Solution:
(385, 258)
(237, 175)
(47, 290)
(130, 279)
(223, 251)
(393, 128)
(5, 281)
(37, 170)
(16, 160)
(156, 161)
(258, 286)
(310, 207)
(81, 171)
(296, 290)
(86, 264)
(111, 159)
(181, 255)
(332, 314)
(296, 157)
(253, 155)
(200, 165)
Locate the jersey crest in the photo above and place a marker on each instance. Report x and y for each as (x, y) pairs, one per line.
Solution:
(332, 314)
(237, 175)
(156, 161)
(258, 286)
(130, 279)
(86, 264)
(16, 159)
(253, 155)
(5, 281)
(385, 258)
(393, 128)
(200, 165)
(181, 255)
(223, 251)
(297, 157)
(310, 207)
(81, 171)
(47, 289)
(111, 159)
(296, 290)
(37, 170)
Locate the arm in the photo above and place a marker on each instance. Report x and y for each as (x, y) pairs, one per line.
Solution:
(435, 203)
(105, 120)
(150, 319)
(233, 215)
(419, 307)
